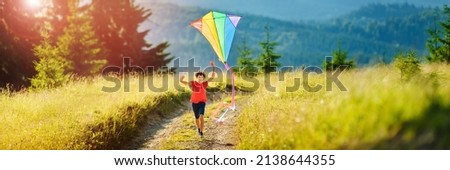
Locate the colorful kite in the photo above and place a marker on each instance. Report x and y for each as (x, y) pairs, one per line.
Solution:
(219, 29)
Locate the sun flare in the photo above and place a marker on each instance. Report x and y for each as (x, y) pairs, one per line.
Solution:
(34, 3)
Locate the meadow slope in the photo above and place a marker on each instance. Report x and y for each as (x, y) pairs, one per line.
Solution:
(80, 115)
(377, 110)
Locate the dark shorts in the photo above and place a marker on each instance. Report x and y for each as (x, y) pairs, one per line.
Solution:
(199, 109)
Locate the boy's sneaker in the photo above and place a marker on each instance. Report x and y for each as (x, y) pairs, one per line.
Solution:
(201, 134)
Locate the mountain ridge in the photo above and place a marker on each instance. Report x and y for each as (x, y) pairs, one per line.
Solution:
(293, 10)
(301, 43)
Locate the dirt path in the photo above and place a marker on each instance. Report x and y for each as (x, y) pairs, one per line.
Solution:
(155, 132)
(179, 131)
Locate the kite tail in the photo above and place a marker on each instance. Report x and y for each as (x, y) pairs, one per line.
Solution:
(221, 118)
(233, 91)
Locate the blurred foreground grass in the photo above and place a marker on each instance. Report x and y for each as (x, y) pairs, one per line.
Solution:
(80, 115)
(378, 111)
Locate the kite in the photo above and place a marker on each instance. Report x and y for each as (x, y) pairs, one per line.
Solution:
(219, 29)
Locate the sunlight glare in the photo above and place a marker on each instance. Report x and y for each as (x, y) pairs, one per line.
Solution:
(34, 3)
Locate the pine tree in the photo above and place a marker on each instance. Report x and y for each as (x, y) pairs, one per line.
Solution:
(116, 24)
(408, 64)
(268, 58)
(79, 45)
(61, 9)
(157, 58)
(51, 67)
(339, 59)
(433, 44)
(445, 49)
(75, 51)
(246, 63)
(18, 32)
(439, 47)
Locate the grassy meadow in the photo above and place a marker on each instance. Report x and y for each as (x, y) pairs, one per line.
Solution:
(378, 111)
(80, 115)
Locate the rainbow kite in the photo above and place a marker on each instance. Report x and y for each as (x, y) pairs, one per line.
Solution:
(219, 29)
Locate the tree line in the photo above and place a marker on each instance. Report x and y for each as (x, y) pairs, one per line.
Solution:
(438, 46)
(44, 46)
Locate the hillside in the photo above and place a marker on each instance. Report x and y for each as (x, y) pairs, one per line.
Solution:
(74, 104)
(368, 37)
(393, 114)
(293, 10)
(81, 115)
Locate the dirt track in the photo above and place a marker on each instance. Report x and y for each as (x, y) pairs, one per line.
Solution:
(160, 135)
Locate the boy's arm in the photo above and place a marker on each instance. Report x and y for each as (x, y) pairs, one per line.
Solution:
(213, 75)
(183, 81)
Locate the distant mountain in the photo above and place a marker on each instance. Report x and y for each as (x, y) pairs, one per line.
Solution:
(380, 11)
(369, 35)
(293, 10)
(398, 24)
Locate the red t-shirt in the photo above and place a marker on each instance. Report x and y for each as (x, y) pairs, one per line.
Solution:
(198, 91)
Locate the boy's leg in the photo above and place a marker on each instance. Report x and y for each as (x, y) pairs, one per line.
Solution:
(201, 113)
(197, 122)
(202, 123)
(196, 110)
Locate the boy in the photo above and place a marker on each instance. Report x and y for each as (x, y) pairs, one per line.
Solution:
(198, 98)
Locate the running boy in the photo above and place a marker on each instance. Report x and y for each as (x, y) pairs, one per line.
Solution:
(198, 98)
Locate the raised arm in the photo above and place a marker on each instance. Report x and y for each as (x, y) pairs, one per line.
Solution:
(213, 75)
(183, 81)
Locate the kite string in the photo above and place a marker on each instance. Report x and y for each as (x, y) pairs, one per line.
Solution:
(218, 115)
(221, 118)
(233, 91)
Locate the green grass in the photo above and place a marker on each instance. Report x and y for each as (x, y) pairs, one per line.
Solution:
(379, 111)
(79, 115)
